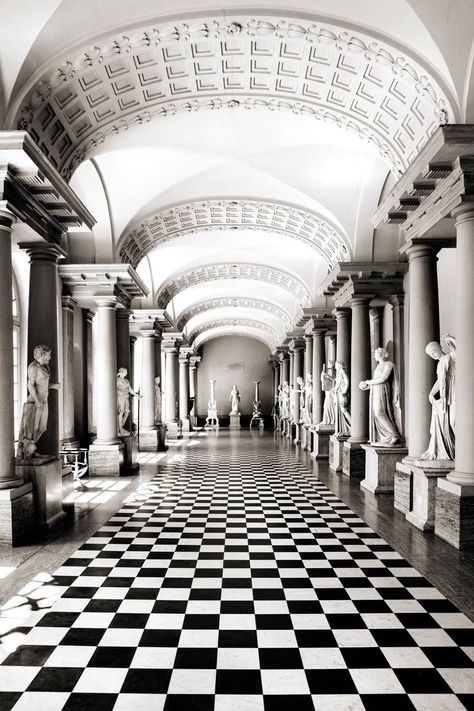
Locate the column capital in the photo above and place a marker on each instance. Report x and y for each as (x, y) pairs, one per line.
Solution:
(68, 303)
(341, 314)
(146, 333)
(463, 213)
(422, 250)
(361, 300)
(123, 313)
(7, 219)
(183, 358)
(103, 301)
(43, 251)
(397, 300)
(88, 315)
(318, 333)
(194, 362)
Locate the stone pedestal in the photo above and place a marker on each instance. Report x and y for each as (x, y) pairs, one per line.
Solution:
(454, 513)
(306, 438)
(131, 453)
(174, 430)
(46, 478)
(153, 439)
(336, 445)
(298, 433)
(321, 436)
(17, 517)
(402, 488)
(415, 489)
(234, 421)
(380, 465)
(107, 459)
(353, 460)
(68, 482)
(185, 424)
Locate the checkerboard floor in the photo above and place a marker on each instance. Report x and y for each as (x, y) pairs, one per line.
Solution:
(236, 581)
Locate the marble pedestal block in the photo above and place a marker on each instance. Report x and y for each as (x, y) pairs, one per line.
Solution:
(306, 438)
(336, 445)
(402, 488)
(286, 428)
(153, 440)
(234, 422)
(107, 459)
(131, 453)
(17, 518)
(47, 481)
(321, 435)
(422, 494)
(454, 514)
(185, 424)
(298, 433)
(380, 465)
(68, 482)
(70, 443)
(174, 430)
(353, 460)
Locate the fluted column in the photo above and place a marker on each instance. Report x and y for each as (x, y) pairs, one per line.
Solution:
(43, 310)
(184, 390)
(319, 357)
(424, 327)
(133, 340)
(8, 476)
(343, 338)
(164, 417)
(68, 304)
(105, 379)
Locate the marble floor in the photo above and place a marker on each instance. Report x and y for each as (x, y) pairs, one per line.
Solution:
(235, 579)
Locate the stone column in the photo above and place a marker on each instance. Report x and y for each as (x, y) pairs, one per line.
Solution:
(163, 386)
(184, 391)
(353, 456)
(107, 452)
(424, 327)
(171, 352)
(152, 435)
(122, 326)
(69, 438)
(376, 334)
(16, 497)
(298, 372)
(331, 348)
(88, 317)
(193, 363)
(397, 302)
(308, 355)
(286, 368)
(319, 359)
(343, 338)
(133, 340)
(276, 379)
(43, 313)
(454, 518)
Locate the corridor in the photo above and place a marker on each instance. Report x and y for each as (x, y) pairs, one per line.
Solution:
(236, 581)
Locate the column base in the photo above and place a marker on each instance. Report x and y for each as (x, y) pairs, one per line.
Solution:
(153, 440)
(454, 514)
(336, 444)
(380, 465)
(321, 435)
(47, 480)
(107, 459)
(174, 430)
(17, 517)
(234, 421)
(185, 424)
(70, 443)
(353, 460)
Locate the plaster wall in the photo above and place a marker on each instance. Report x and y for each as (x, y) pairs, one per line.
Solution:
(447, 291)
(239, 360)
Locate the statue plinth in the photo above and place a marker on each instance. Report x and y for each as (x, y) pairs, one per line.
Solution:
(415, 489)
(321, 435)
(234, 420)
(336, 444)
(46, 476)
(380, 466)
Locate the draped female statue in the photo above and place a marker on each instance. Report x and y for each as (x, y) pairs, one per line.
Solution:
(443, 400)
(327, 386)
(341, 388)
(384, 401)
(234, 398)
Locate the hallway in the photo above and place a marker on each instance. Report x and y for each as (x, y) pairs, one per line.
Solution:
(235, 580)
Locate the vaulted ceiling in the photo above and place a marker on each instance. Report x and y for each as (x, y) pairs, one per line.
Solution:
(234, 156)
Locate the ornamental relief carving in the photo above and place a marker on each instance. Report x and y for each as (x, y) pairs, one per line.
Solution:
(234, 302)
(275, 335)
(318, 69)
(224, 215)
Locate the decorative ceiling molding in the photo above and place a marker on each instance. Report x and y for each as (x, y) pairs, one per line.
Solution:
(274, 335)
(225, 215)
(215, 272)
(234, 331)
(233, 302)
(315, 69)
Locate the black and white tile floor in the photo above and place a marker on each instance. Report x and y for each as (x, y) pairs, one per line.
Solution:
(236, 581)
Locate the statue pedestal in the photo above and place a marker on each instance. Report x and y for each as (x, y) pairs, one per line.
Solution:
(454, 514)
(336, 445)
(47, 480)
(174, 430)
(17, 519)
(321, 435)
(298, 433)
(353, 460)
(234, 421)
(107, 459)
(424, 477)
(150, 439)
(380, 464)
(402, 488)
(131, 453)
(306, 438)
(185, 424)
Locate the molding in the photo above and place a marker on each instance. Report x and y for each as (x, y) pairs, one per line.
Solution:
(85, 282)
(224, 215)
(231, 302)
(239, 323)
(234, 331)
(363, 280)
(214, 272)
(324, 70)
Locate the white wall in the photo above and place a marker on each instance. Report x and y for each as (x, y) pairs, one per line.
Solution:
(447, 291)
(239, 360)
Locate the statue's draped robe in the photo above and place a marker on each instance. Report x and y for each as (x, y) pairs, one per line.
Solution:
(383, 401)
(343, 416)
(329, 407)
(442, 441)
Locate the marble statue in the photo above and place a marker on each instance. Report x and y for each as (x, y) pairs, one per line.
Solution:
(292, 403)
(212, 418)
(280, 400)
(342, 424)
(308, 400)
(443, 400)
(234, 398)
(158, 396)
(300, 394)
(285, 409)
(124, 390)
(34, 419)
(327, 386)
(384, 401)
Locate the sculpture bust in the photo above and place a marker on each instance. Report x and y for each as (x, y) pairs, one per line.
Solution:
(234, 398)
(35, 410)
(124, 391)
(443, 400)
(384, 401)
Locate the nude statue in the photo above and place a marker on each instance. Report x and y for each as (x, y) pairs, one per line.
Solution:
(234, 398)
(443, 400)
(158, 400)
(341, 388)
(327, 385)
(124, 390)
(384, 401)
(35, 410)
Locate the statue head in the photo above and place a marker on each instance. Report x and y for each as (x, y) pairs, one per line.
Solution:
(122, 373)
(340, 366)
(300, 380)
(157, 380)
(434, 350)
(381, 354)
(42, 354)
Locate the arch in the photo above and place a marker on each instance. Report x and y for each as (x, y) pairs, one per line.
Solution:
(350, 78)
(237, 302)
(237, 323)
(226, 215)
(214, 272)
(229, 331)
